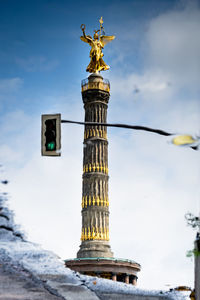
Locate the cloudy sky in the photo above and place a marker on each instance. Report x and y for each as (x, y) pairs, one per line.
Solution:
(154, 76)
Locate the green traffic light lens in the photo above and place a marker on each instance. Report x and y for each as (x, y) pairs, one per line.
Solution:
(51, 146)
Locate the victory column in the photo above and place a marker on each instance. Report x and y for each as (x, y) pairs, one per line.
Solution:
(95, 256)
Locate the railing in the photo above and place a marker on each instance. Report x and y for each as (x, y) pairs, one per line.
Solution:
(104, 258)
(103, 85)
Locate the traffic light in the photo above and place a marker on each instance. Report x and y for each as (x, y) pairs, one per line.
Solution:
(51, 135)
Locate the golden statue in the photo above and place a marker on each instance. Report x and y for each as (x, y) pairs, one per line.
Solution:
(97, 44)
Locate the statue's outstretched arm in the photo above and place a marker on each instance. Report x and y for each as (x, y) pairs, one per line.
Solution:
(85, 38)
(83, 29)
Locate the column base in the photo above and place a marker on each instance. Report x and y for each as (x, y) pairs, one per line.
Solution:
(122, 270)
(94, 249)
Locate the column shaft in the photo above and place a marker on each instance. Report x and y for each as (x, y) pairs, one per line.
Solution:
(95, 203)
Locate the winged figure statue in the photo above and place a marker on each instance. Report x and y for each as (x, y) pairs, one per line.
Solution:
(97, 43)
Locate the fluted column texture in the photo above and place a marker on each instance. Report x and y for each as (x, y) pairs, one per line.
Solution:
(95, 202)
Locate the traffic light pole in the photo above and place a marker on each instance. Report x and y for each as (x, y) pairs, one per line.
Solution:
(51, 134)
(181, 140)
(135, 127)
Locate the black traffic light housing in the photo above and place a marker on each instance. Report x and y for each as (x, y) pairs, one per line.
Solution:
(51, 135)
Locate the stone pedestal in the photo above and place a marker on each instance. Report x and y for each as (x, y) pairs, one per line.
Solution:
(123, 270)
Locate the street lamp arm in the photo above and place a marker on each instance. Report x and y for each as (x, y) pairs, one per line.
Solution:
(135, 127)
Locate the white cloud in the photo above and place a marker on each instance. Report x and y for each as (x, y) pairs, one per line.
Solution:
(173, 44)
(171, 59)
(37, 63)
(150, 85)
(166, 93)
(15, 121)
(152, 186)
(8, 154)
(10, 85)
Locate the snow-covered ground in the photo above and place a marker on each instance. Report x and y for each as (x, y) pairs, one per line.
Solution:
(20, 255)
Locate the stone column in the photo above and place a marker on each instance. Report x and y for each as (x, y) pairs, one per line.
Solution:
(95, 203)
(126, 279)
(114, 277)
(134, 280)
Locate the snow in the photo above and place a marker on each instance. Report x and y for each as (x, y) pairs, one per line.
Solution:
(3, 221)
(33, 258)
(8, 229)
(30, 255)
(42, 262)
(21, 254)
(109, 286)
